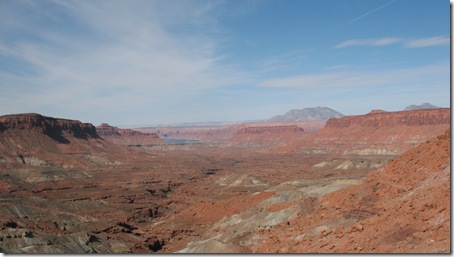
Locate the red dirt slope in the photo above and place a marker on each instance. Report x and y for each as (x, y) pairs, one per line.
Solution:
(403, 207)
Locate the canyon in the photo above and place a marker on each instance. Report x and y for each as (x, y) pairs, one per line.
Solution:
(372, 183)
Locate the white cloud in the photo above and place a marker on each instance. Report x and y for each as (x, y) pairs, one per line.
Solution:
(426, 42)
(354, 79)
(369, 42)
(408, 43)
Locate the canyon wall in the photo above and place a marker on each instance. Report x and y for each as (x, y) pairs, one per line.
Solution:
(379, 132)
(36, 140)
(52, 127)
(377, 119)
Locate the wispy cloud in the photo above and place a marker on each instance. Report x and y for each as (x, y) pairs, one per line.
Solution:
(408, 43)
(370, 12)
(133, 56)
(426, 42)
(369, 42)
(355, 79)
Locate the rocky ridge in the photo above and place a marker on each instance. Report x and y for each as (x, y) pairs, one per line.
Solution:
(378, 132)
(49, 126)
(127, 136)
(385, 119)
(37, 140)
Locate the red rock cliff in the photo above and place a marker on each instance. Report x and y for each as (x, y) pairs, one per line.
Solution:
(380, 119)
(268, 134)
(379, 131)
(127, 136)
(49, 126)
(37, 140)
(270, 129)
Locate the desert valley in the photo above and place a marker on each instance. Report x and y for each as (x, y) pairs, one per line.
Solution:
(308, 181)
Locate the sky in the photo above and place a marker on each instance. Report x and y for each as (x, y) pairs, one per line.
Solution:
(149, 62)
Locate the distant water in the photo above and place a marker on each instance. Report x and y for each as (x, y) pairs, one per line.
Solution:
(179, 140)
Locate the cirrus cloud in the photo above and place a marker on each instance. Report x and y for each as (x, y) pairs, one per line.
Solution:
(407, 43)
(426, 42)
(354, 79)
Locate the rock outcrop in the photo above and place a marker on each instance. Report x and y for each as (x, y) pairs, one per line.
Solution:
(127, 136)
(37, 140)
(380, 132)
(386, 119)
(49, 126)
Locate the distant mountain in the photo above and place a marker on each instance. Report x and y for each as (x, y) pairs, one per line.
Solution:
(418, 107)
(308, 114)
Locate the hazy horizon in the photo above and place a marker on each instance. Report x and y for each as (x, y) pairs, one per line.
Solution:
(163, 62)
(208, 122)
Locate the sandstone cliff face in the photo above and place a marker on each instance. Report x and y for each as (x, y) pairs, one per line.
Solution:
(36, 140)
(127, 136)
(385, 119)
(51, 127)
(380, 132)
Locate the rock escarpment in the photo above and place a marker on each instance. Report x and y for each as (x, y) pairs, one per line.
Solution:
(37, 140)
(380, 132)
(270, 129)
(49, 126)
(268, 134)
(377, 119)
(127, 136)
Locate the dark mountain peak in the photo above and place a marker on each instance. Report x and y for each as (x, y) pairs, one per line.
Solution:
(419, 107)
(308, 114)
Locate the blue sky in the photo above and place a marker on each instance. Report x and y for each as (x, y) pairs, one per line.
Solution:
(156, 62)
